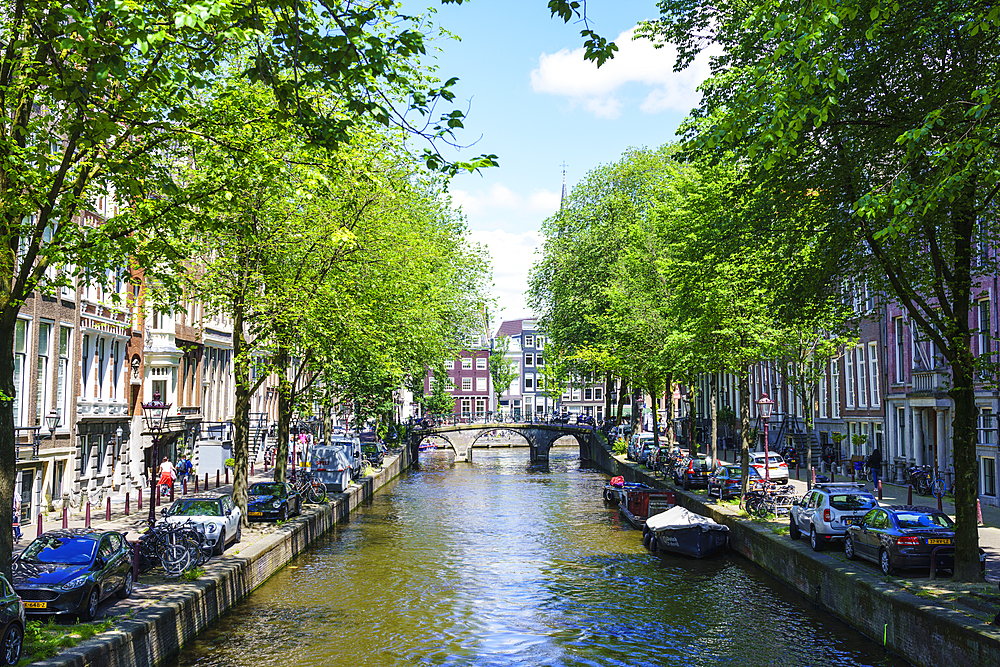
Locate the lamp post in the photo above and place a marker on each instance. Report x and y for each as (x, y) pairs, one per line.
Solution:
(765, 405)
(155, 413)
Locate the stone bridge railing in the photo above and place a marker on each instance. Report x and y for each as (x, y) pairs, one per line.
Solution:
(540, 437)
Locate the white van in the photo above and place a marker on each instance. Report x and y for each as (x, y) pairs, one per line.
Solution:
(336, 463)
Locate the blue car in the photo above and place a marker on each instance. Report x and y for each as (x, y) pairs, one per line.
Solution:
(72, 571)
(273, 500)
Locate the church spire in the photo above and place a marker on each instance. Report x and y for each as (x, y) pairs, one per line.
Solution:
(562, 198)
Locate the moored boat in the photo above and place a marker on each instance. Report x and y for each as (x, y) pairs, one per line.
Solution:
(639, 502)
(613, 489)
(681, 531)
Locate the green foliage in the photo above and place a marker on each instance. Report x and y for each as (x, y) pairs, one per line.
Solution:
(503, 371)
(439, 402)
(193, 574)
(44, 640)
(619, 447)
(230, 463)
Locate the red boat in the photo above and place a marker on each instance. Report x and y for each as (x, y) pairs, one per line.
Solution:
(638, 504)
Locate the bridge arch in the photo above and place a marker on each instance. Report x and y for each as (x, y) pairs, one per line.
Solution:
(540, 437)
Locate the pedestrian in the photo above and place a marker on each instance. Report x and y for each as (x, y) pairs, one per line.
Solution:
(185, 467)
(16, 521)
(167, 476)
(875, 465)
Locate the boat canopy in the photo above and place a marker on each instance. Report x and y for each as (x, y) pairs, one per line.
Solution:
(679, 517)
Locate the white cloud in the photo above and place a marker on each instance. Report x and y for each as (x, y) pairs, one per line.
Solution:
(599, 90)
(512, 256)
(500, 197)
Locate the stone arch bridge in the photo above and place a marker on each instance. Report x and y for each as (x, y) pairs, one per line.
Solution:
(540, 437)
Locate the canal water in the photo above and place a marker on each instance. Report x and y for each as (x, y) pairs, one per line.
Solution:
(492, 563)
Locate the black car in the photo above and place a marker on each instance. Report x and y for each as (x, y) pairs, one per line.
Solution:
(373, 453)
(273, 500)
(727, 481)
(693, 472)
(12, 622)
(72, 571)
(902, 536)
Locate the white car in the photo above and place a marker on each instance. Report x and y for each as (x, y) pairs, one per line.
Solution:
(217, 516)
(777, 469)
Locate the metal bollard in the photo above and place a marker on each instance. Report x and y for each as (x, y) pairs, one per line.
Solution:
(216, 479)
(184, 491)
(86, 521)
(797, 476)
(39, 525)
(940, 507)
(251, 468)
(206, 481)
(107, 511)
(227, 477)
(880, 489)
(126, 503)
(65, 523)
(196, 484)
(140, 500)
(171, 493)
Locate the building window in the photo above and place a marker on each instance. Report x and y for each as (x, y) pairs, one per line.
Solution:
(529, 360)
(900, 432)
(529, 341)
(539, 361)
(873, 387)
(450, 364)
(481, 363)
(983, 310)
(900, 349)
(849, 370)
(480, 384)
(467, 363)
(466, 384)
(987, 427)
(63, 391)
(43, 380)
(862, 386)
(989, 476)
(822, 397)
(450, 384)
(466, 406)
(540, 344)
(588, 394)
(529, 382)
(598, 393)
(20, 369)
(834, 389)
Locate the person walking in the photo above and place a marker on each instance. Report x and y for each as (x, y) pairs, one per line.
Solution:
(875, 465)
(184, 468)
(16, 521)
(167, 476)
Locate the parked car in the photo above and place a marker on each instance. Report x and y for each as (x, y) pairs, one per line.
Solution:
(776, 465)
(337, 462)
(693, 472)
(636, 444)
(726, 481)
(902, 536)
(12, 622)
(273, 500)
(825, 512)
(644, 453)
(72, 571)
(217, 517)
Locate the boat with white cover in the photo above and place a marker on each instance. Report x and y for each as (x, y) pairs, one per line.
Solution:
(681, 531)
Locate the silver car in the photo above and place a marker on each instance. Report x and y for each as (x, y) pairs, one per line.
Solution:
(825, 512)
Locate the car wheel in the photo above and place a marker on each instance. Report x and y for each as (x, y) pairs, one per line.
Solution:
(126, 589)
(814, 541)
(885, 562)
(283, 513)
(90, 606)
(13, 642)
(793, 528)
(849, 548)
(220, 544)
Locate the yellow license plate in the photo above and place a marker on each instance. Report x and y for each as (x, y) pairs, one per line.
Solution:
(34, 605)
(938, 541)
(256, 514)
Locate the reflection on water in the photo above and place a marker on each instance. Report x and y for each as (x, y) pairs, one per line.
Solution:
(490, 563)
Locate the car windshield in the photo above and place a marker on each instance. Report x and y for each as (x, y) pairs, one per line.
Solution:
(266, 489)
(851, 501)
(62, 550)
(774, 458)
(923, 520)
(194, 507)
(735, 471)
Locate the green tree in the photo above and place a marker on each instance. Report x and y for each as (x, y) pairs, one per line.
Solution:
(503, 371)
(824, 98)
(439, 401)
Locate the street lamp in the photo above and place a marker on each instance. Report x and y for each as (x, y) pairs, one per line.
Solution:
(52, 422)
(155, 413)
(765, 405)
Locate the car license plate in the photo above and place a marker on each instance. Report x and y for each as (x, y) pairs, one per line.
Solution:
(34, 605)
(848, 520)
(256, 514)
(938, 541)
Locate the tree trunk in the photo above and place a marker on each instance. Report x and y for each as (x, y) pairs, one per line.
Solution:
(609, 386)
(967, 567)
(743, 381)
(713, 407)
(284, 414)
(8, 445)
(621, 399)
(241, 418)
(652, 388)
(693, 433)
(669, 400)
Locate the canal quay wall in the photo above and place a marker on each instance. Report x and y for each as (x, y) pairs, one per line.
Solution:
(155, 634)
(922, 632)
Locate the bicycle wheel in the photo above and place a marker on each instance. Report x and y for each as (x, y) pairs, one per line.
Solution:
(870, 475)
(317, 492)
(938, 488)
(176, 559)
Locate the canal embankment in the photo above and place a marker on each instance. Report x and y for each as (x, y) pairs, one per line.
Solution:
(929, 623)
(151, 634)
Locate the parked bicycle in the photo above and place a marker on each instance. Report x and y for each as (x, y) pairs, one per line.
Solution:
(176, 547)
(308, 485)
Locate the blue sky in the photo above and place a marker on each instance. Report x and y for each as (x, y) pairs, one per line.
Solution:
(534, 102)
